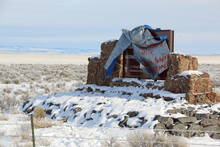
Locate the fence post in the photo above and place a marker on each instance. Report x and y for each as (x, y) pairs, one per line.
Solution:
(32, 130)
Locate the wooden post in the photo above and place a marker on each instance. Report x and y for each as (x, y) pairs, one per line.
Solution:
(32, 130)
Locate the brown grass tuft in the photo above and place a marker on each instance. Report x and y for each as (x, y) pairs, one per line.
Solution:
(44, 123)
(3, 117)
(39, 113)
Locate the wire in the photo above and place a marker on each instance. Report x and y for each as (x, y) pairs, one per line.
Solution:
(121, 140)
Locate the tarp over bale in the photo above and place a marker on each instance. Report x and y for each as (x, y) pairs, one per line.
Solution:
(150, 51)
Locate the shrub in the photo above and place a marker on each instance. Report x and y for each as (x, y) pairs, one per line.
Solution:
(149, 140)
(7, 90)
(3, 117)
(112, 142)
(39, 113)
(44, 123)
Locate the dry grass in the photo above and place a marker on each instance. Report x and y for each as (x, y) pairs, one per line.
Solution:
(14, 110)
(25, 132)
(37, 80)
(25, 137)
(40, 121)
(149, 140)
(45, 123)
(112, 142)
(25, 118)
(42, 142)
(3, 117)
(39, 113)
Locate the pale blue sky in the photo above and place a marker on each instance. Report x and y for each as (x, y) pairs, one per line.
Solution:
(84, 24)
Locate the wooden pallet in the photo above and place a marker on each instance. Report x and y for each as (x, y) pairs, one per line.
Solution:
(131, 68)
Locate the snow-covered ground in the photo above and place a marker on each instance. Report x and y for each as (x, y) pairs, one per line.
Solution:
(16, 132)
(90, 128)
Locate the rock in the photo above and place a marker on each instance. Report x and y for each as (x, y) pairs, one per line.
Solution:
(26, 102)
(160, 126)
(88, 119)
(77, 109)
(50, 104)
(156, 96)
(53, 116)
(142, 121)
(57, 105)
(211, 129)
(121, 83)
(126, 93)
(179, 129)
(112, 116)
(132, 113)
(29, 109)
(79, 89)
(214, 116)
(156, 117)
(123, 123)
(48, 112)
(194, 127)
(168, 121)
(147, 95)
(89, 89)
(209, 122)
(168, 98)
(190, 113)
(200, 116)
(93, 111)
(215, 128)
(100, 103)
(185, 120)
(172, 111)
(190, 108)
(179, 126)
(194, 130)
(215, 136)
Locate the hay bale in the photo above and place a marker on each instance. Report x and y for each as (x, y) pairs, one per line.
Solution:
(197, 86)
(178, 63)
(96, 66)
(107, 48)
(201, 98)
(93, 70)
(189, 81)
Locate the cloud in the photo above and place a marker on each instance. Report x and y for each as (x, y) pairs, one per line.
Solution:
(194, 21)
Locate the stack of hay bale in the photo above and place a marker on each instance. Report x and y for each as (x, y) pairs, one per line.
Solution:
(183, 77)
(96, 66)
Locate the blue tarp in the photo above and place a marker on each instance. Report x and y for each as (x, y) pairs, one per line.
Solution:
(150, 51)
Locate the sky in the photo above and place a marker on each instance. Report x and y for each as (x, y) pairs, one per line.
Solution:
(84, 24)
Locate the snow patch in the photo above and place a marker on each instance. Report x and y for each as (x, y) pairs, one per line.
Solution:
(191, 72)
